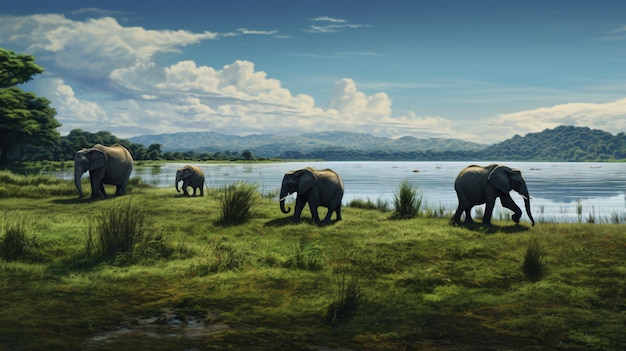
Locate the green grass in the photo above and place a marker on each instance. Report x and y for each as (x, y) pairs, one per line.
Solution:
(364, 283)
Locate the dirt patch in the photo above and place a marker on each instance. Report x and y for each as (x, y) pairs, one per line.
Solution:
(168, 324)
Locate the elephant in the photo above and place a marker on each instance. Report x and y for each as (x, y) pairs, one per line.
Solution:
(315, 187)
(106, 165)
(476, 185)
(191, 176)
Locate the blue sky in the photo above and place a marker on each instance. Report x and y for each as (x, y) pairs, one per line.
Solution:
(481, 71)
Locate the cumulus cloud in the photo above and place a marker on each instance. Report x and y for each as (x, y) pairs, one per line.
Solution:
(609, 116)
(91, 48)
(102, 75)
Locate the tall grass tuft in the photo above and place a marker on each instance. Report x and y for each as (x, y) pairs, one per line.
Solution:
(534, 260)
(348, 293)
(238, 203)
(117, 231)
(380, 204)
(16, 243)
(407, 201)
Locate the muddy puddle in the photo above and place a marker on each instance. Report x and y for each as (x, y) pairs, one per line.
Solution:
(167, 324)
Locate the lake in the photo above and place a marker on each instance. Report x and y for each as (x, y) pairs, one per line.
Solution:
(558, 189)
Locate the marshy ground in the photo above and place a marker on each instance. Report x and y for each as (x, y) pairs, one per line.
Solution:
(187, 279)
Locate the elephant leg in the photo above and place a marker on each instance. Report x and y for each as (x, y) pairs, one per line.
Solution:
(488, 212)
(201, 190)
(315, 214)
(335, 206)
(468, 216)
(298, 208)
(194, 191)
(102, 193)
(97, 188)
(456, 218)
(121, 189)
(185, 192)
(508, 202)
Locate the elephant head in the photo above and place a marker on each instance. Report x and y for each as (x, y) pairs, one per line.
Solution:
(296, 181)
(87, 160)
(506, 179)
(182, 174)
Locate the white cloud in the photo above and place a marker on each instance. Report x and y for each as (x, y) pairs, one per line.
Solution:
(71, 112)
(610, 116)
(94, 47)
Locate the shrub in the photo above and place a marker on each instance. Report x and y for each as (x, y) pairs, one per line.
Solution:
(407, 201)
(534, 260)
(117, 230)
(348, 293)
(238, 202)
(16, 244)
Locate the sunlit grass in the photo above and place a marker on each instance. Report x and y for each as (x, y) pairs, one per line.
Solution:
(367, 282)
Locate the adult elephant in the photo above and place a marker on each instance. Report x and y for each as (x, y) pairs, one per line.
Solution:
(106, 165)
(315, 187)
(191, 176)
(476, 185)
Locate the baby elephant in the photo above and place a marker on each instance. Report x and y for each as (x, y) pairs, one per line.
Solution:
(191, 176)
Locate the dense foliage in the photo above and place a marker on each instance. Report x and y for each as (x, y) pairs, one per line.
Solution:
(24, 117)
(65, 148)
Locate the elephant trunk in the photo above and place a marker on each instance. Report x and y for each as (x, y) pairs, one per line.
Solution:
(527, 205)
(283, 194)
(524, 192)
(178, 178)
(78, 172)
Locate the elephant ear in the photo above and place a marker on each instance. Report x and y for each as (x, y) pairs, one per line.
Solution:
(97, 159)
(306, 179)
(499, 178)
(187, 172)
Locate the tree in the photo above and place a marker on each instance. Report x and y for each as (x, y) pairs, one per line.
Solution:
(24, 117)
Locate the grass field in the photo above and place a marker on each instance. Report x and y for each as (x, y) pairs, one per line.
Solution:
(154, 270)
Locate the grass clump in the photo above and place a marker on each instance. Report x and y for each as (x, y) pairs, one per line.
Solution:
(16, 244)
(117, 231)
(346, 302)
(534, 260)
(369, 204)
(238, 203)
(407, 201)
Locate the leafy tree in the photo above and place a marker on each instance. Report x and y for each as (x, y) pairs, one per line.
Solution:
(24, 117)
(247, 155)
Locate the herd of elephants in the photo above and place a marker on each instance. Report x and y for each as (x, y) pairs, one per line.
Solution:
(475, 185)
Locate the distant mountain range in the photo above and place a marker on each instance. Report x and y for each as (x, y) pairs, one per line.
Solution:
(268, 145)
(563, 143)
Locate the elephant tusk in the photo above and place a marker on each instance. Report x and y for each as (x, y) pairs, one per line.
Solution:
(283, 199)
(526, 198)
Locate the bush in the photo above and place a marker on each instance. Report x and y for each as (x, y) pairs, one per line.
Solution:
(407, 201)
(117, 231)
(534, 260)
(238, 202)
(348, 293)
(16, 244)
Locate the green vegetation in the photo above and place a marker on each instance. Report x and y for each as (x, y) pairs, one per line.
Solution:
(24, 117)
(186, 281)
(407, 202)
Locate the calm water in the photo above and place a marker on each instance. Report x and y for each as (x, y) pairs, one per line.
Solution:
(557, 188)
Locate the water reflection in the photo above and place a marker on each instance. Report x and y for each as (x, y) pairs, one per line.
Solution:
(560, 191)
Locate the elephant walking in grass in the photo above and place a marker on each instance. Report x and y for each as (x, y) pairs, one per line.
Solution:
(106, 165)
(315, 187)
(476, 185)
(191, 176)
